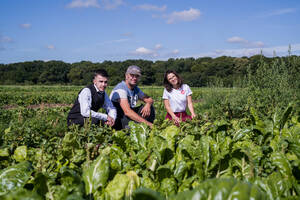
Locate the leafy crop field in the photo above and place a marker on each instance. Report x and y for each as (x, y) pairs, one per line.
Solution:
(231, 151)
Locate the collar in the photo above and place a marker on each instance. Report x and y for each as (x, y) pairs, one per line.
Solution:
(98, 90)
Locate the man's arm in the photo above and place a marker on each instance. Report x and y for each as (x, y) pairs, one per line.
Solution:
(131, 114)
(85, 101)
(110, 110)
(147, 108)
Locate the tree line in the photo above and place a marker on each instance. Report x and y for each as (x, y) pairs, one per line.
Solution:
(205, 71)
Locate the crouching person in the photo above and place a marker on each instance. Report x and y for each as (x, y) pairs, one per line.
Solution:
(125, 96)
(90, 99)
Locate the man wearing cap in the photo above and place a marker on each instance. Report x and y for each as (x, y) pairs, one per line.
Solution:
(90, 99)
(125, 96)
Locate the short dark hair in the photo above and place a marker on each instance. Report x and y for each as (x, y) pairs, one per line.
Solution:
(167, 84)
(101, 72)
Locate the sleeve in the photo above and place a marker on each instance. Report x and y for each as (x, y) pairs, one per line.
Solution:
(188, 91)
(118, 94)
(140, 93)
(165, 94)
(109, 107)
(85, 101)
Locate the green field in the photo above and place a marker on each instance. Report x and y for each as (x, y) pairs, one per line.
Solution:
(232, 150)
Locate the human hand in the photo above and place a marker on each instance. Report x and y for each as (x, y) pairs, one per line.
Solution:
(149, 124)
(176, 120)
(146, 110)
(110, 121)
(193, 115)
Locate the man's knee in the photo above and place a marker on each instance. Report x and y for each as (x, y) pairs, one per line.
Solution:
(151, 117)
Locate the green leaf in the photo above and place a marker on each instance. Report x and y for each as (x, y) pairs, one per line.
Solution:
(169, 135)
(282, 163)
(168, 186)
(96, 175)
(146, 194)
(147, 182)
(205, 141)
(20, 153)
(134, 182)
(22, 194)
(240, 191)
(14, 177)
(285, 116)
(40, 184)
(138, 134)
(4, 152)
(181, 170)
(116, 188)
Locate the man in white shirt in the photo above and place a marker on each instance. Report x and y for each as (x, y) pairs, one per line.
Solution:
(90, 99)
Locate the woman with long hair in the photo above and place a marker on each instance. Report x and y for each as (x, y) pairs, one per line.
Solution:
(177, 96)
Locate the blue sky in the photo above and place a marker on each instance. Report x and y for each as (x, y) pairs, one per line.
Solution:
(117, 30)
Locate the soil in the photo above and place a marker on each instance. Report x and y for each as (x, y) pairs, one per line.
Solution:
(43, 105)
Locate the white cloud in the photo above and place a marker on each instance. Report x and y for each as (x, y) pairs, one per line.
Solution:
(186, 15)
(25, 26)
(279, 50)
(143, 51)
(279, 12)
(50, 47)
(149, 7)
(175, 52)
(114, 41)
(244, 42)
(105, 4)
(5, 39)
(236, 39)
(111, 4)
(128, 34)
(83, 4)
(158, 46)
(257, 44)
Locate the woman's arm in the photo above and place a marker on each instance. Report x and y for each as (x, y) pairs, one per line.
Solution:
(169, 110)
(190, 106)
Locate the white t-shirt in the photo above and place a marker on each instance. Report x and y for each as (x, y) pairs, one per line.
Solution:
(178, 97)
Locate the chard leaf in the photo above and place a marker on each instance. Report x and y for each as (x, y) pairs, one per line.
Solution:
(282, 163)
(147, 182)
(138, 135)
(169, 135)
(134, 182)
(180, 171)
(116, 188)
(168, 186)
(146, 194)
(205, 141)
(14, 177)
(22, 194)
(96, 175)
(4, 152)
(20, 153)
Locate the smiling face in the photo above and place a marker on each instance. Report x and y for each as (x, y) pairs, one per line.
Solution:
(100, 82)
(132, 80)
(173, 80)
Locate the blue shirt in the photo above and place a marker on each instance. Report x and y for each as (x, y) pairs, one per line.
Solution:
(121, 91)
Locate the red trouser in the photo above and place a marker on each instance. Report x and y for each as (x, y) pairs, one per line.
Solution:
(182, 115)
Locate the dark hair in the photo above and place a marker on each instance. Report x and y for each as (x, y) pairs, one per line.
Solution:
(101, 72)
(167, 84)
